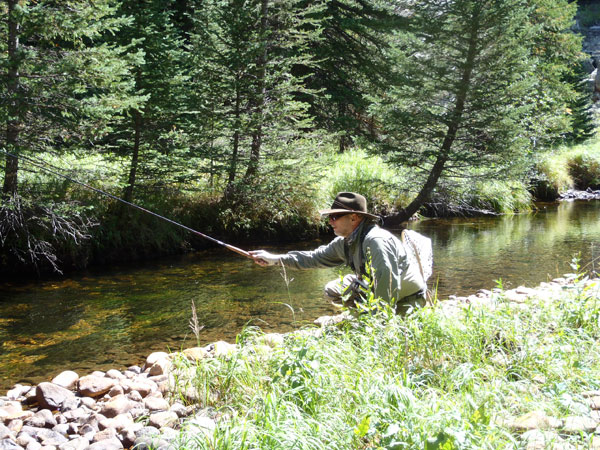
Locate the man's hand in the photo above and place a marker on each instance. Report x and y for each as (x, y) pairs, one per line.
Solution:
(264, 258)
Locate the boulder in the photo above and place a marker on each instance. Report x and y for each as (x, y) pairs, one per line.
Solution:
(579, 424)
(107, 444)
(162, 419)
(79, 443)
(94, 386)
(195, 353)
(41, 419)
(9, 444)
(534, 420)
(153, 358)
(67, 379)
(156, 404)
(52, 396)
(119, 404)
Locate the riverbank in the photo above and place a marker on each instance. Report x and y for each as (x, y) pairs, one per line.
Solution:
(500, 367)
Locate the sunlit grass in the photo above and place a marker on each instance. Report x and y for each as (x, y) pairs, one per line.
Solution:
(432, 380)
(570, 167)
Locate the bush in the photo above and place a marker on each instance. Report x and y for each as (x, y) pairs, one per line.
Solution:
(355, 171)
(565, 168)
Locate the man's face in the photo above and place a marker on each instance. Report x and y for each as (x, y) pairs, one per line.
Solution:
(343, 224)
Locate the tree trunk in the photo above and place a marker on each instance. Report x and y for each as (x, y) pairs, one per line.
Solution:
(257, 134)
(137, 123)
(424, 194)
(14, 105)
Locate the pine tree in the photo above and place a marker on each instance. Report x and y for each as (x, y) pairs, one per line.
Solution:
(151, 134)
(470, 96)
(243, 53)
(352, 64)
(60, 86)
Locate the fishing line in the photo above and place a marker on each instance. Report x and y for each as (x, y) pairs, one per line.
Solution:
(55, 171)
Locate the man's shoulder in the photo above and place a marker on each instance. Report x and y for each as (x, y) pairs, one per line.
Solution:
(377, 233)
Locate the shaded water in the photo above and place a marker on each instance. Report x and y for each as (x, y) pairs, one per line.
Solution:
(114, 318)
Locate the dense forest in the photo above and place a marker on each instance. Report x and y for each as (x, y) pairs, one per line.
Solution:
(240, 118)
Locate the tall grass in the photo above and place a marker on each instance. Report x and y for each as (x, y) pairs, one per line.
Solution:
(570, 167)
(356, 171)
(432, 380)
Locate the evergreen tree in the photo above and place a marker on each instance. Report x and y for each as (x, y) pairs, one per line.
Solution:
(59, 85)
(351, 64)
(151, 134)
(471, 97)
(243, 53)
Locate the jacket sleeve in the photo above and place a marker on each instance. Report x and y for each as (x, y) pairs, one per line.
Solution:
(330, 255)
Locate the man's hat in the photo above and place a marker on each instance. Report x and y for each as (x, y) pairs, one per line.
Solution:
(348, 202)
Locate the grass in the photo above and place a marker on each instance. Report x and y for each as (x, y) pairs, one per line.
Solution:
(567, 168)
(432, 380)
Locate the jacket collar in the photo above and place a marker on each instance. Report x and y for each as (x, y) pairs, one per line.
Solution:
(356, 234)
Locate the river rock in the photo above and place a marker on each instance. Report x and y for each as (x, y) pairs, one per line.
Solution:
(9, 444)
(578, 424)
(123, 422)
(162, 419)
(5, 432)
(94, 386)
(116, 390)
(153, 358)
(534, 420)
(195, 353)
(161, 367)
(87, 431)
(107, 444)
(152, 404)
(79, 443)
(223, 349)
(67, 379)
(10, 410)
(18, 391)
(203, 424)
(115, 374)
(41, 419)
(116, 405)
(594, 402)
(142, 386)
(34, 445)
(107, 433)
(52, 396)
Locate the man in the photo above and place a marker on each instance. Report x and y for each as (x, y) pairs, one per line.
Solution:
(395, 278)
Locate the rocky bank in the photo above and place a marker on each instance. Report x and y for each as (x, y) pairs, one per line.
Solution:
(149, 406)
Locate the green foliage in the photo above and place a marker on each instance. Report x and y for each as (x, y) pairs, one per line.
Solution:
(356, 171)
(64, 85)
(478, 82)
(430, 380)
(588, 13)
(567, 168)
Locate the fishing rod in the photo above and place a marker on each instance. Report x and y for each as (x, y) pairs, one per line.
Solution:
(114, 197)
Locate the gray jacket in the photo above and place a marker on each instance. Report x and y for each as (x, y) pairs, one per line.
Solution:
(394, 277)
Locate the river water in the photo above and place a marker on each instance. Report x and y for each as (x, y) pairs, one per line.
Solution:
(115, 317)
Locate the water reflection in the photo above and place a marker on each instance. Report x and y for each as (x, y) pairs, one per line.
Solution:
(115, 318)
